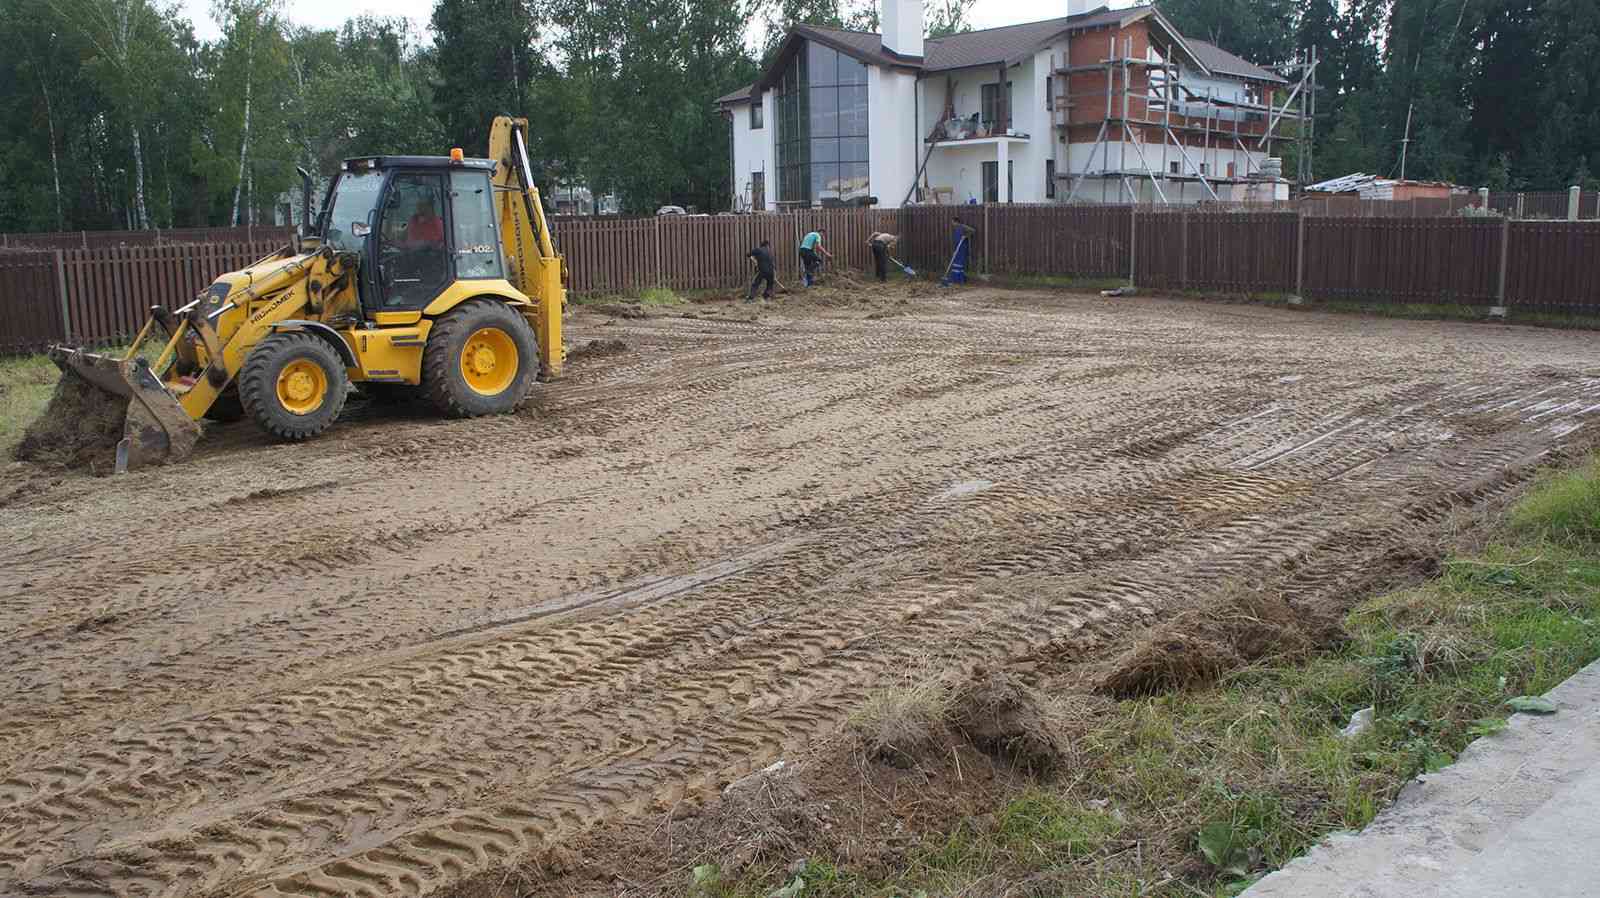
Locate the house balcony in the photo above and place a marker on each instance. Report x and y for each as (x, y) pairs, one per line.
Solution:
(976, 141)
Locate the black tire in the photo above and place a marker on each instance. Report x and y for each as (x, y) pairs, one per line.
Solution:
(227, 408)
(443, 381)
(259, 382)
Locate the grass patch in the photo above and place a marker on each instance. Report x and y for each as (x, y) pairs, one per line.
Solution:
(1200, 792)
(25, 386)
(659, 296)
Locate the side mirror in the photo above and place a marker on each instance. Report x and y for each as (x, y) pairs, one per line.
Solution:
(360, 228)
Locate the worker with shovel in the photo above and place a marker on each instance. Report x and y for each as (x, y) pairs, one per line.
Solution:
(961, 235)
(810, 247)
(881, 243)
(765, 271)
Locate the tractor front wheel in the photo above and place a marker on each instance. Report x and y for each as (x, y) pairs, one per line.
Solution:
(293, 384)
(480, 360)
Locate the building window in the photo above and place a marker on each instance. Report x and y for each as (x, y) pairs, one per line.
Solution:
(1205, 168)
(1173, 167)
(1050, 179)
(991, 182)
(822, 128)
(755, 114)
(1231, 170)
(991, 107)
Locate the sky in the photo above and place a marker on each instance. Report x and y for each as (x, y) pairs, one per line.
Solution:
(333, 13)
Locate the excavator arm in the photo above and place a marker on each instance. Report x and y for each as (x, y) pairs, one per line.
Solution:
(536, 268)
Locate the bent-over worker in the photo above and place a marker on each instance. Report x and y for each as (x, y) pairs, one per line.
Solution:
(881, 243)
(810, 247)
(765, 271)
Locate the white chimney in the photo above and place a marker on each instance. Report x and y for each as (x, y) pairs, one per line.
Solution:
(902, 27)
(1079, 7)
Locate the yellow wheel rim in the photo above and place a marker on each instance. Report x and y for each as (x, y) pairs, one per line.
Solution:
(489, 361)
(302, 386)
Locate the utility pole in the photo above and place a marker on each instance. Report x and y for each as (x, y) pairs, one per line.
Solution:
(1405, 142)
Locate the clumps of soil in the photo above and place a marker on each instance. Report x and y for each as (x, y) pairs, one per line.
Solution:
(622, 310)
(1008, 721)
(1199, 645)
(597, 349)
(80, 427)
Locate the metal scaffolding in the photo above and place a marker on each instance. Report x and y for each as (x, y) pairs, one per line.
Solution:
(1147, 102)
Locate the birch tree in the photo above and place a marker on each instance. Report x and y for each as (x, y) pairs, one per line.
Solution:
(114, 28)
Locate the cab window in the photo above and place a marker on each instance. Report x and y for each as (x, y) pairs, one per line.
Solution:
(477, 244)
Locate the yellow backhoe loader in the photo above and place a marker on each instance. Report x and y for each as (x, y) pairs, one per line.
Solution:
(428, 275)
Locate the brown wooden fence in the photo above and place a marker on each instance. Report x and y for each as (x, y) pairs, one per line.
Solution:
(99, 295)
(168, 237)
(103, 295)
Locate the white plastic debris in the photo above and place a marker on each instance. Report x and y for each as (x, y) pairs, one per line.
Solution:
(1360, 722)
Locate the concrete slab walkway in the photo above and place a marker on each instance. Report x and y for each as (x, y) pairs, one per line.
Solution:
(1517, 814)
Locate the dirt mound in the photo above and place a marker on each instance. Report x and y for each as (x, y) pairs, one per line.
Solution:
(1201, 644)
(79, 427)
(597, 349)
(622, 310)
(1008, 721)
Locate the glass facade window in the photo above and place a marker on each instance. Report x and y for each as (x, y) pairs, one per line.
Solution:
(822, 127)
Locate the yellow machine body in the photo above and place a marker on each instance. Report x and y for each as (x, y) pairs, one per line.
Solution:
(315, 288)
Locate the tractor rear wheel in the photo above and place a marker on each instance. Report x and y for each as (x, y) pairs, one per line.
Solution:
(294, 385)
(480, 360)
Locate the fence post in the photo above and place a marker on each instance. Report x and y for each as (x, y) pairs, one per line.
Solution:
(1573, 194)
(1505, 255)
(661, 271)
(1300, 257)
(986, 268)
(1133, 240)
(1183, 251)
(61, 295)
(1520, 198)
(84, 236)
(1483, 198)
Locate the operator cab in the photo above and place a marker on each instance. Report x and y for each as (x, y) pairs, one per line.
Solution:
(418, 225)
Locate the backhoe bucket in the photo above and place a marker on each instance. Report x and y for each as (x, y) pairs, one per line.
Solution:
(155, 428)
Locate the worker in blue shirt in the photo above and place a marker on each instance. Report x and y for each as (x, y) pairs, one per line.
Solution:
(810, 247)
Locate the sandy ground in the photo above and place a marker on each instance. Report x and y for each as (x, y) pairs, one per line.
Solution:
(390, 658)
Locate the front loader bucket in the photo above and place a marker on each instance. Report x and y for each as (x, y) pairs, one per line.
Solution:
(155, 427)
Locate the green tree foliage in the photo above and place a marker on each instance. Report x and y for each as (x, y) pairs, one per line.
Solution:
(114, 114)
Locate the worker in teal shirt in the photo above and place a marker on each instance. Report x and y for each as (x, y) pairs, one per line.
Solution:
(810, 247)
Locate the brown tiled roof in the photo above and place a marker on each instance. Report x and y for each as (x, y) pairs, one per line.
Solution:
(742, 95)
(866, 46)
(1224, 63)
(1006, 44)
(1009, 42)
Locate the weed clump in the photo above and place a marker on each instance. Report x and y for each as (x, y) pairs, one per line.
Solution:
(1004, 719)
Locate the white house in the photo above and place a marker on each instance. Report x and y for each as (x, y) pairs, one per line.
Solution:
(1100, 105)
